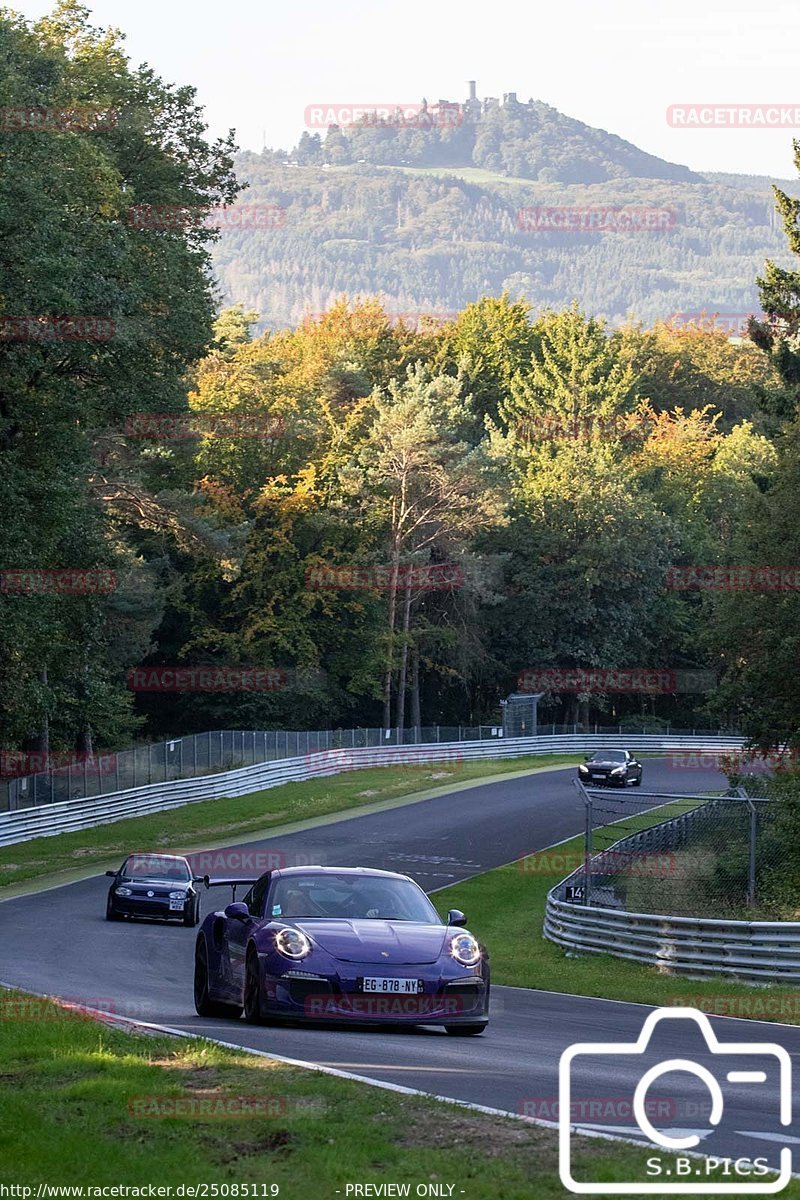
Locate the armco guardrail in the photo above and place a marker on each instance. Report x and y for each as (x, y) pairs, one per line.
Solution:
(49, 819)
(696, 946)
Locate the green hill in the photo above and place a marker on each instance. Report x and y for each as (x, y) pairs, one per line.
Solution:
(432, 217)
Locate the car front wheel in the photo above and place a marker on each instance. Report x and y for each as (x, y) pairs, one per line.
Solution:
(192, 914)
(252, 989)
(111, 912)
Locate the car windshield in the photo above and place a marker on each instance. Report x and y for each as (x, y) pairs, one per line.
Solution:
(608, 756)
(350, 897)
(152, 866)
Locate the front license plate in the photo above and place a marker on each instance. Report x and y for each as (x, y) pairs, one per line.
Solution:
(598, 776)
(176, 904)
(404, 987)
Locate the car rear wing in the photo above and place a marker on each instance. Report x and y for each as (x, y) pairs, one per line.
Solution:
(231, 883)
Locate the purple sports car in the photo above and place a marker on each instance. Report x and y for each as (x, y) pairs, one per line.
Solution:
(346, 944)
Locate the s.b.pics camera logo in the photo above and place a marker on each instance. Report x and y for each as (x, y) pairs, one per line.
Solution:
(733, 1100)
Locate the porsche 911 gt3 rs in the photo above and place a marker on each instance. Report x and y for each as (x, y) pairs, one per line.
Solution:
(347, 944)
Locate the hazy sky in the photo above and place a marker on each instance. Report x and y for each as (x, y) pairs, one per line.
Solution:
(616, 64)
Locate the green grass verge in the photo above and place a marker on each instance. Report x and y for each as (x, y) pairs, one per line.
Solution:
(232, 820)
(506, 908)
(85, 1104)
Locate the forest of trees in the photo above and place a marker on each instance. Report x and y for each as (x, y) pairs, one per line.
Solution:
(437, 241)
(544, 470)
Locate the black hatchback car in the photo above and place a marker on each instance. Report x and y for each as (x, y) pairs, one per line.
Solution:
(154, 885)
(617, 768)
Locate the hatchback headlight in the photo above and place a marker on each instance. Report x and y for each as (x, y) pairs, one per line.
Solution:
(465, 949)
(292, 943)
(177, 895)
(123, 891)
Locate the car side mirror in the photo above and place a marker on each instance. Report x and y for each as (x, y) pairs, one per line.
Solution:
(456, 917)
(112, 874)
(199, 878)
(238, 912)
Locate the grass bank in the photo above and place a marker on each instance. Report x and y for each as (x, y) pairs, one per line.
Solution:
(241, 818)
(85, 1104)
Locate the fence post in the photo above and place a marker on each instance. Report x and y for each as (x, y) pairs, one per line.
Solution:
(751, 866)
(587, 851)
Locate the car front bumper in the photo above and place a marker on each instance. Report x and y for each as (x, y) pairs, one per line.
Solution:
(604, 780)
(442, 1001)
(144, 906)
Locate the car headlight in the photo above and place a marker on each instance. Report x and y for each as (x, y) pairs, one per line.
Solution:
(177, 895)
(583, 770)
(292, 943)
(123, 891)
(465, 949)
(618, 771)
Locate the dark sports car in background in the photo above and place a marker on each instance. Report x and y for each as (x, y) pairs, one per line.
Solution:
(154, 885)
(346, 944)
(616, 767)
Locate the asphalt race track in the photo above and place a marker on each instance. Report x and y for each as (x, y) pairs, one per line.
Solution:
(58, 942)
